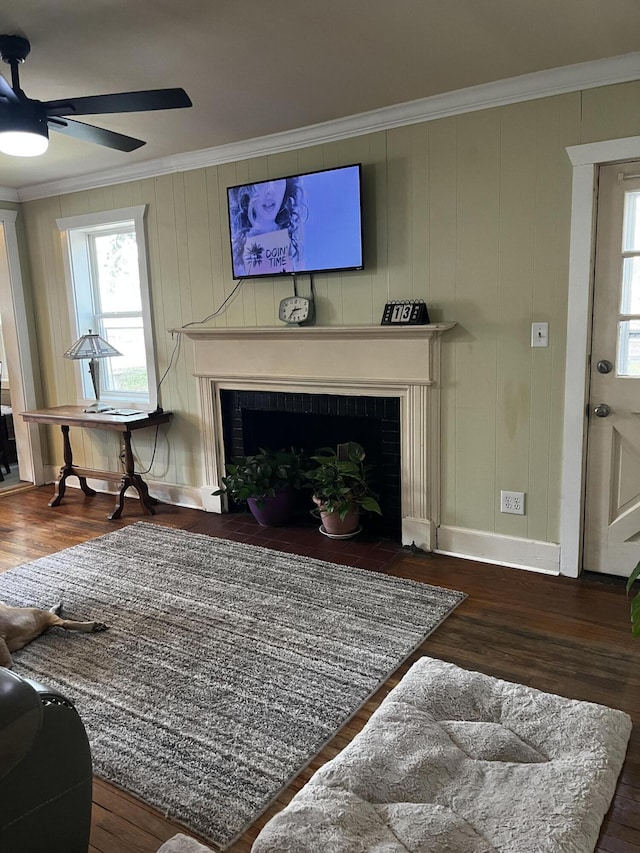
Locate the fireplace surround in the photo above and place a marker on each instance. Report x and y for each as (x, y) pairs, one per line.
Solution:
(402, 363)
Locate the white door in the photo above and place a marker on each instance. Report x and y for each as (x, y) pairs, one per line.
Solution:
(612, 511)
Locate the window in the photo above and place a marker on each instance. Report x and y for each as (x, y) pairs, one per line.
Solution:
(109, 293)
(629, 320)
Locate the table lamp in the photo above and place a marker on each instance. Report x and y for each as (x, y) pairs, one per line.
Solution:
(93, 347)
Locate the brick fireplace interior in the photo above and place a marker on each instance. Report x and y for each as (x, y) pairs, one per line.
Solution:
(277, 420)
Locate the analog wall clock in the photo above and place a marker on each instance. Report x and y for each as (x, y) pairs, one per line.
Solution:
(296, 310)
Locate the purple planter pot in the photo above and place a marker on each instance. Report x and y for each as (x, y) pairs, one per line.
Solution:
(276, 509)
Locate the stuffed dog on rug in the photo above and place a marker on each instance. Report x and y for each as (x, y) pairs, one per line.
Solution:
(20, 625)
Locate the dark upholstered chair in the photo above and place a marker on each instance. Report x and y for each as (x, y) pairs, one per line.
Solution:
(45, 770)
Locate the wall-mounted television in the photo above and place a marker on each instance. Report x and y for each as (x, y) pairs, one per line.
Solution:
(306, 223)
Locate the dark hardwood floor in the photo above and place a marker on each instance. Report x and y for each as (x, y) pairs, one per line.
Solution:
(556, 634)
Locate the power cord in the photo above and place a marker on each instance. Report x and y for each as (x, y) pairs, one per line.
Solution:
(215, 313)
(153, 452)
(159, 410)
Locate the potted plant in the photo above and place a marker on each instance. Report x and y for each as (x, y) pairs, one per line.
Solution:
(266, 481)
(341, 488)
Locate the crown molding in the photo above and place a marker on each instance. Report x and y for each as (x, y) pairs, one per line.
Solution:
(539, 84)
(9, 194)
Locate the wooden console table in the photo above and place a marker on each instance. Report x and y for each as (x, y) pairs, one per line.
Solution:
(68, 416)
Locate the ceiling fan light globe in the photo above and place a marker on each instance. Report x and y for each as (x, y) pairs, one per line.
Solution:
(23, 143)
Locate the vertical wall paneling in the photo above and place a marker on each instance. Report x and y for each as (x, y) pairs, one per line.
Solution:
(375, 221)
(167, 226)
(610, 112)
(99, 199)
(51, 314)
(553, 180)
(476, 308)
(399, 211)
(229, 175)
(203, 236)
(442, 260)
(469, 212)
(547, 225)
(183, 283)
(204, 298)
(570, 133)
(357, 293)
(517, 227)
(419, 285)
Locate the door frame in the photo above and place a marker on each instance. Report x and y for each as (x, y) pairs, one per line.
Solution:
(586, 160)
(18, 350)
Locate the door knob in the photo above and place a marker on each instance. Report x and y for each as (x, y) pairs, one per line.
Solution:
(602, 410)
(604, 366)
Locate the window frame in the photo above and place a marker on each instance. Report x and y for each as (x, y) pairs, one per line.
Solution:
(623, 322)
(75, 233)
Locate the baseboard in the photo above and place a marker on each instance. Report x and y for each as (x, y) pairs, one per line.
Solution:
(420, 532)
(530, 554)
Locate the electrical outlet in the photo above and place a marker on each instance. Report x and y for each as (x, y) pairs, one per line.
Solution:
(512, 502)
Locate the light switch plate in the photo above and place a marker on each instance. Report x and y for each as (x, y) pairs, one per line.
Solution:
(539, 334)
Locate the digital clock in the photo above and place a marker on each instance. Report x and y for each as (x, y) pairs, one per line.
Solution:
(405, 311)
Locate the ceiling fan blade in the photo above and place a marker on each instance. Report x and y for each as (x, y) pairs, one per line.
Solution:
(90, 133)
(7, 92)
(124, 102)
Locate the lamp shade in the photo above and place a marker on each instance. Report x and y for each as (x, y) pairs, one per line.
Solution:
(91, 346)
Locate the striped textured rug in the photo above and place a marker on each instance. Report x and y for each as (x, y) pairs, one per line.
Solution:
(226, 667)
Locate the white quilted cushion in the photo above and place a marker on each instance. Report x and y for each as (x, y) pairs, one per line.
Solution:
(460, 762)
(181, 843)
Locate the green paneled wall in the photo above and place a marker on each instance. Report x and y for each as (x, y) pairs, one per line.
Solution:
(471, 213)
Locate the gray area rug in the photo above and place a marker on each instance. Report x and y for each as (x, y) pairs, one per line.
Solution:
(226, 668)
(457, 761)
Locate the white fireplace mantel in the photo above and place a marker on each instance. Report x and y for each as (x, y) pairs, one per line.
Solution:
(383, 361)
(306, 332)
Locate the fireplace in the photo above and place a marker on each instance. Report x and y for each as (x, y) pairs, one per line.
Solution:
(342, 364)
(282, 419)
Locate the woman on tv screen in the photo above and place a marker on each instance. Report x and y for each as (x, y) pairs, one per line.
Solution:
(267, 223)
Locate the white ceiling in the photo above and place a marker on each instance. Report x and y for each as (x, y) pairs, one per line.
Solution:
(258, 67)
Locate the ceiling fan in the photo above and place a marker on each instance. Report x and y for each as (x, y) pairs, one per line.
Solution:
(25, 122)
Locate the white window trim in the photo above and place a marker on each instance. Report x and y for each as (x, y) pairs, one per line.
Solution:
(88, 222)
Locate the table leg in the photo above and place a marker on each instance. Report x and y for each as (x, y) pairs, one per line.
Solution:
(132, 479)
(67, 471)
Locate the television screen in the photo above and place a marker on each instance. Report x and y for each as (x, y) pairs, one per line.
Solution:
(300, 224)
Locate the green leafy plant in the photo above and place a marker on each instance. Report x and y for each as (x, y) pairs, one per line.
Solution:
(635, 602)
(340, 480)
(262, 475)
